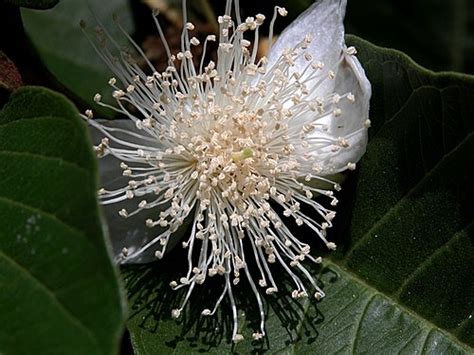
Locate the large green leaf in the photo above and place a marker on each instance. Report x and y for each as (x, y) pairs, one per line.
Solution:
(59, 291)
(64, 48)
(401, 280)
(412, 213)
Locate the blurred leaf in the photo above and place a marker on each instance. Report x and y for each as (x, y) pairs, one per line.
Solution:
(34, 4)
(401, 281)
(64, 48)
(60, 293)
(10, 78)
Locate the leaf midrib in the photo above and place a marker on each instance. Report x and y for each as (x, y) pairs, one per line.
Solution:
(394, 301)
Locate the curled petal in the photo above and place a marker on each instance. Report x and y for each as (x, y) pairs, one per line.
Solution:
(348, 122)
(324, 22)
(341, 75)
(354, 114)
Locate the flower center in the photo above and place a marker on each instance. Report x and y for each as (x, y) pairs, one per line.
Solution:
(230, 160)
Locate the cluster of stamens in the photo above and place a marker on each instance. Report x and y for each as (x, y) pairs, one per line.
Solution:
(226, 145)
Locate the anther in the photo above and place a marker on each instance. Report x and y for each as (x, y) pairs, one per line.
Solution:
(237, 338)
(97, 97)
(175, 313)
(331, 246)
(282, 11)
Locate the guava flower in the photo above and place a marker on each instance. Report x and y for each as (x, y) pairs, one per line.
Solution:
(232, 150)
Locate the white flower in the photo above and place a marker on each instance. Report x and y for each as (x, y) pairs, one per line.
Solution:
(223, 146)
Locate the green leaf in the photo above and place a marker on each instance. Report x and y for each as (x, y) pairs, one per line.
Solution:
(401, 280)
(412, 213)
(60, 293)
(65, 49)
(414, 27)
(34, 4)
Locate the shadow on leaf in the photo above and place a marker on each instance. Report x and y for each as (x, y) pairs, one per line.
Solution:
(151, 300)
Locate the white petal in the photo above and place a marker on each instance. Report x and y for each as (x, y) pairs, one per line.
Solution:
(351, 78)
(324, 21)
(130, 233)
(350, 123)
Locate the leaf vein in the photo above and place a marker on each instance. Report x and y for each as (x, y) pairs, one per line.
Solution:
(386, 215)
(359, 322)
(429, 259)
(76, 321)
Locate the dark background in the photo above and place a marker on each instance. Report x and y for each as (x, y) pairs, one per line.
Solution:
(439, 34)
